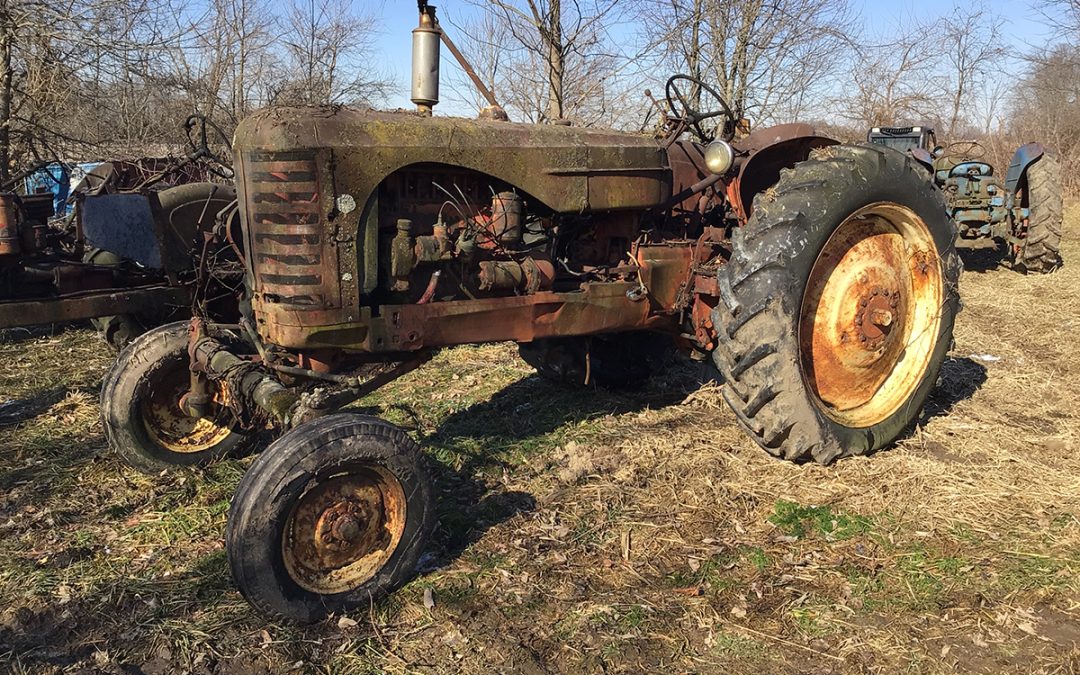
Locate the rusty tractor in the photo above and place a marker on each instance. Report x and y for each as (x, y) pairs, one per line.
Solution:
(126, 257)
(1023, 214)
(821, 280)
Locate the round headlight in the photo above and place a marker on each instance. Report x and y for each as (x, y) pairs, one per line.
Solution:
(719, 156)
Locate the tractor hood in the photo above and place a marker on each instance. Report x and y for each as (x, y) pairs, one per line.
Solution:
(567, 169)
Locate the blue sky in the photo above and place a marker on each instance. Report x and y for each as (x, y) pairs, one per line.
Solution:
(1024, 27)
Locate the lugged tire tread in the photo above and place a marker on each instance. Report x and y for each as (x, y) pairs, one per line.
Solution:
(761, 382)
(1041, 251)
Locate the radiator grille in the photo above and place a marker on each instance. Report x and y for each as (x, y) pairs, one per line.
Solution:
(284, 215)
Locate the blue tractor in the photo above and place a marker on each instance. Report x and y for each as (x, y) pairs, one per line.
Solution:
(1023, 214)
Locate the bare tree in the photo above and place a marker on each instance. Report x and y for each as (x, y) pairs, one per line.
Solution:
(489, 57)
(1046, 107)
(325, 41)
(95, 78)
(554, 58)
(895, 81)
(219, 58)
(1064, 15)
(972, 40)
(769, 58)
(47, 52)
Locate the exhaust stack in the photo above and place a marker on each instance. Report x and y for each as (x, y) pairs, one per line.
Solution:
(425, 60)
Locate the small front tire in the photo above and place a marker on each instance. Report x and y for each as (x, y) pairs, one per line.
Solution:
(140, 406)
(332, 516)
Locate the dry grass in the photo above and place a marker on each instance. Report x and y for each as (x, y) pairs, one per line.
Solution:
(592, 531)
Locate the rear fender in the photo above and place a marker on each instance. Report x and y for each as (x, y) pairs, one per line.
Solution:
(923, 157)
(768, 151)
(1025, 156)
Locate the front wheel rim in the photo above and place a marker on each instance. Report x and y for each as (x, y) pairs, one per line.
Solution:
(871, 314)
(343, 529)
(173, 429)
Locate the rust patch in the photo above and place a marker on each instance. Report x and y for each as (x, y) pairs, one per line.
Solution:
(284, 220)
(173, 429)
(343, 530)
(870, 314)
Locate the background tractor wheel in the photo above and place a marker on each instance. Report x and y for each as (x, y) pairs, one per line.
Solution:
(621, 360)
(838, 303)
(1041, 248)
(140, 406)
(120, 329)
(333, 515)
(185, 210)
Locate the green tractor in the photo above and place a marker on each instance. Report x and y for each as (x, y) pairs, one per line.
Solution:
(1023, 214)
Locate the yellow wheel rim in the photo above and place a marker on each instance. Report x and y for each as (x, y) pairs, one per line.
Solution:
(343, 530)
(172, 428)
(871, 314)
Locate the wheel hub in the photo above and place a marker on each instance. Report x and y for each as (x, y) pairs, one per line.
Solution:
(876, 316)
(168, 423)
(348, 527)
(343, 530)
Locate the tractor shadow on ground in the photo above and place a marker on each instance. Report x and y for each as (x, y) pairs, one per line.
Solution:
(117, 618)
(14, 336)
(514, 418)
(980, 260)
(125, 613)
(467, 509)
(958, 381)
(30, 476)
(23, 409)
(498, 435)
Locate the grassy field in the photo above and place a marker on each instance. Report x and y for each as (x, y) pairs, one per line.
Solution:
(592, 531)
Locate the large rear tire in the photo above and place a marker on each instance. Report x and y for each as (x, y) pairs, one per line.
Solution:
(1041, 248)
(837, 306)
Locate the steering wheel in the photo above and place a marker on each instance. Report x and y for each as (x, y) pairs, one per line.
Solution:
(200, 146)
(964, 150)
(681, 109)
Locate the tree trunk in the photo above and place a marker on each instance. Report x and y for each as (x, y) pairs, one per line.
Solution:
(6, 96)
(239, 94)
(694, 60)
